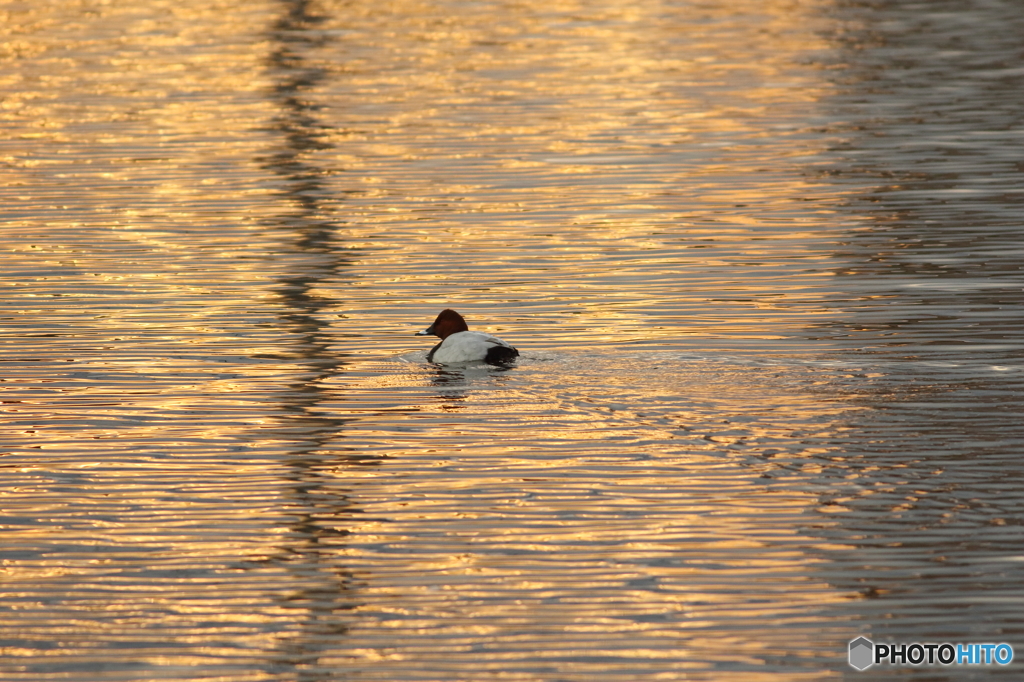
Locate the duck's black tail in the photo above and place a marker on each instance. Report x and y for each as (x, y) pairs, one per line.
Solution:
(501, 355)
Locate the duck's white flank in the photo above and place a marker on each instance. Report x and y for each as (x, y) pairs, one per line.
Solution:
(466, 347)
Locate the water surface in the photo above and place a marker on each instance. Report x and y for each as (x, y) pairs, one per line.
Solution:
(762, 261)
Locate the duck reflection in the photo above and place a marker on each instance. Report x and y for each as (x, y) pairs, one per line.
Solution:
(454, 382)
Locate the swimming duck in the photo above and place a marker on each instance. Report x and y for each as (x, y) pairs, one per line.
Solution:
(458, 344)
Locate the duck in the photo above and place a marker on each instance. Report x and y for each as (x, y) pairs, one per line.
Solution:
(458, 344)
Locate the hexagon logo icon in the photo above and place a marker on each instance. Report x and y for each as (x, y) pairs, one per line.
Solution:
(862, 653)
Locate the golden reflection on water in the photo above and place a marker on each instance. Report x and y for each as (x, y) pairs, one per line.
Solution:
(665, 517)
(619, 163)
(222, 218)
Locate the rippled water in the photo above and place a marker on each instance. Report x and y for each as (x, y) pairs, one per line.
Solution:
(763, 262)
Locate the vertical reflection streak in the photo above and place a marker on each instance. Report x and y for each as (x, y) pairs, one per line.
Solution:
(320, 509)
